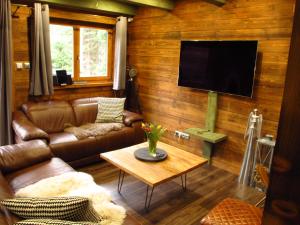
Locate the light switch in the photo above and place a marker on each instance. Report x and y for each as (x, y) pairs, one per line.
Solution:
(19, 65)
(26, 65)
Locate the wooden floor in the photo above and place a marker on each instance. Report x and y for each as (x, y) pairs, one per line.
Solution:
(170, 204)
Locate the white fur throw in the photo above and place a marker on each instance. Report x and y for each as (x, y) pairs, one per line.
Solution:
(93, 129)
(78, 184)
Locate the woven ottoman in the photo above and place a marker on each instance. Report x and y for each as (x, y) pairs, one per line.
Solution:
(233, 212)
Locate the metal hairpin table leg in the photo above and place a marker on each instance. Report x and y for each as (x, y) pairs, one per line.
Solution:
(183, 181)
(148, 198)
(120, 180)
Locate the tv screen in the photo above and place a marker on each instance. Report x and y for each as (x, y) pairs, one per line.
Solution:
(221, 66)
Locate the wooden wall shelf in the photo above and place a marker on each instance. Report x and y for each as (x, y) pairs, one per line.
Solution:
(209, 139)
(84, 85)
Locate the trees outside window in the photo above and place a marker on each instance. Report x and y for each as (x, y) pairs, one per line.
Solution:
(84, 52)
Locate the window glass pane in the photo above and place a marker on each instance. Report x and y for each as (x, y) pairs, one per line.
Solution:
(93, 52)
(61, 48)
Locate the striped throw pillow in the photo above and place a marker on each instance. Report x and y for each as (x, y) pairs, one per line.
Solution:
(110, 110)
(61, 208)
(53, 222)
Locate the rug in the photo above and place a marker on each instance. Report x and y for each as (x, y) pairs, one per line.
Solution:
(78, 184)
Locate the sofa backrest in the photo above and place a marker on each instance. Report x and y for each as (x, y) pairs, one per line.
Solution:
(50, 116)
(85, 110)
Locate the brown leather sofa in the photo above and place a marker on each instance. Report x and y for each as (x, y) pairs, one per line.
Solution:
(26, 163)
(46, 121)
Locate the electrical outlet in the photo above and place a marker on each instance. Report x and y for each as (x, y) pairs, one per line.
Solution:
(182, 135)
(185, 136)
(26, 65)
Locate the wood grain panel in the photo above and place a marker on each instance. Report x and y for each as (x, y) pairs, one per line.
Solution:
(284, 179)
(154, 174)
(21, 54)
(69, 15)
(154, 46)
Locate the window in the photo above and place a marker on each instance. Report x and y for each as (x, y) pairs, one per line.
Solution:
(62, 48)
(93, 52)
(85, 52)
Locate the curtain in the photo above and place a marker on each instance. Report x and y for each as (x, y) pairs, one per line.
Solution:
(5, 73)
(120, 54)
(41, 80)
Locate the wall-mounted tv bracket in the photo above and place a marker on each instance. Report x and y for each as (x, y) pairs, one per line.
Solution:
(207, 135)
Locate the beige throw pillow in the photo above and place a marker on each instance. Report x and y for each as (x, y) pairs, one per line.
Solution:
(110, 110)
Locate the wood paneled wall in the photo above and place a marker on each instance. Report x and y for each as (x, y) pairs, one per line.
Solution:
(21, 54)
(285, 177)
(154, 42)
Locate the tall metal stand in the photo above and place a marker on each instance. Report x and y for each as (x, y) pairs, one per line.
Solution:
(252, 133)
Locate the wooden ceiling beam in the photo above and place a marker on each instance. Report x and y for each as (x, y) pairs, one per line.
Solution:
(162, 4)
(98, 6)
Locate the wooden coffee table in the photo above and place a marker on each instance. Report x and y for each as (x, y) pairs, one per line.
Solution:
(178, 163)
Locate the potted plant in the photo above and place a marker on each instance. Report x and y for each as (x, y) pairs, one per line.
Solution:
(153, 134)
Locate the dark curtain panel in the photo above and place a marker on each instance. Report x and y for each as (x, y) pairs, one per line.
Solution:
(120, 54)
(41, 81)
(5, 73)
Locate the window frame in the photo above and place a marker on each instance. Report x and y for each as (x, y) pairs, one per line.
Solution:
(76, 49)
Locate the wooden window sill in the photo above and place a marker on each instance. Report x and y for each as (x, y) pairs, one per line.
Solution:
(84, 85)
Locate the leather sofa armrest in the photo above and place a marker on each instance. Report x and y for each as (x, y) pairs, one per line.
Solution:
(130, 117)
(26, 154)
(25, 129)
(5, 190)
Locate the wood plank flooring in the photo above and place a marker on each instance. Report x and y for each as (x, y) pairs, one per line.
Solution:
(206, 185)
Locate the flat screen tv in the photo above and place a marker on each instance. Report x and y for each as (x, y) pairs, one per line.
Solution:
(220, 66)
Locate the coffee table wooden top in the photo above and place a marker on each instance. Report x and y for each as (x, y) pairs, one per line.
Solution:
(153, 173)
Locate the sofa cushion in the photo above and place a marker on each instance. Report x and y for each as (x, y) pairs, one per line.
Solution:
(85, 110)
(61, 137)
(76, 150)
(19, 156)
(117, 139)
(69, 151)
(50, 116)
(64, 208)
(37, 172)
(110, 110)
